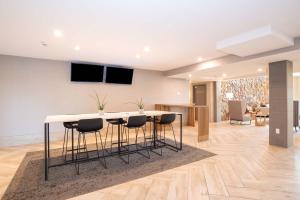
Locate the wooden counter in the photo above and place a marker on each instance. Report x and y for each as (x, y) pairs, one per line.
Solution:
(202, 113)
(191, 110)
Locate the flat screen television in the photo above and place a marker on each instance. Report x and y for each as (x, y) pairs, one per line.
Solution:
(86, 72)
(119, 75)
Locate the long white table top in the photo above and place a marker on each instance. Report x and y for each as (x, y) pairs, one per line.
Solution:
(70, 118)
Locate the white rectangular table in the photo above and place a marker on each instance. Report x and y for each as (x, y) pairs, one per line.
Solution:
(70, 118)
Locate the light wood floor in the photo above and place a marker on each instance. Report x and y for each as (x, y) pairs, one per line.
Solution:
(245, 167)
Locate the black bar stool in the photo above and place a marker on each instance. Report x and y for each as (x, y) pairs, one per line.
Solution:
(84, 127)
(136, 122)
(114, 122)
(167, 120)
(68, 126)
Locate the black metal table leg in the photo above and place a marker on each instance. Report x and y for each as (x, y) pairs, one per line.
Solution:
(154, 131)
(48, 140)
(72, 144)
(119, 142)
(46, 134)
(180, 131)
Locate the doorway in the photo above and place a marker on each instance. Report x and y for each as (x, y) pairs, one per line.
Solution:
(199, 95)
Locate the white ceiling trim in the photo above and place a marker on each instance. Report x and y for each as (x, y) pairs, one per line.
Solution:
(253, 42)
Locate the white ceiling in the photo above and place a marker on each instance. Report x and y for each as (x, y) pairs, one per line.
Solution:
(242, 69)
(114, 31)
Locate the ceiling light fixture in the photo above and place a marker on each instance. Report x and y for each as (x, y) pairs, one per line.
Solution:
(199, 59)
(259, 69)
(137, 56)
(296, 74)
(209, 64)
(190, 75)
(57, 33)
(147, 49)
(44, 44)
(224, 75)
(77, 48)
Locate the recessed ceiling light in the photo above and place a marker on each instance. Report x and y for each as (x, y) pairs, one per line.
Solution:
(138, 56)
(77, 48)
(224, 75)
(146, 48)
(296, 74)
(259, 69)
(44, 44)
(190, 75)
(199, 59)
(57, 33)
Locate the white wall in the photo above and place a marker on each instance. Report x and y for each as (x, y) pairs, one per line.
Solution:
(30, 89)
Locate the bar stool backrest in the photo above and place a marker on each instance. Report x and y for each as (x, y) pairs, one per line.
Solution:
(136, 121)
(167, 118)
(90, 125)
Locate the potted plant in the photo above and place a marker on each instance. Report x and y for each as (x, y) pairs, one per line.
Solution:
(140, 106)
(100, 104)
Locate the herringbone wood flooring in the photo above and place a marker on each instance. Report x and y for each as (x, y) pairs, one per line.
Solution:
(245, 167)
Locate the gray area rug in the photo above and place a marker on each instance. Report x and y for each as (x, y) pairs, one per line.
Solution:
(29, 183)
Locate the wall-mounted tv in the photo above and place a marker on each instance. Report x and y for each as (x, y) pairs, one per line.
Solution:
(119, 75)
(86, 72)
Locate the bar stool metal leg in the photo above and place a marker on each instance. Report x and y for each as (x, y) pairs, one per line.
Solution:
(136, 135)
(124, 132)
(104, 163)
(111, 137)
(145, 143)
(77, 154)
(97, 144)
(85, 146)
(128, 146)
(106, 135)
(174, 137)
(65, 144)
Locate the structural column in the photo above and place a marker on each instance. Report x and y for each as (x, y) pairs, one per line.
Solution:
(281, 103)
(217, 101)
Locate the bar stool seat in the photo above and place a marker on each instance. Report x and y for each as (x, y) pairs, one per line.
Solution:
(149, 119)
(117, 121)
(70, 125)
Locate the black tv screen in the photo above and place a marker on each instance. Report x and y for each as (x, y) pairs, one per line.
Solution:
(86, 72)
(119, 75)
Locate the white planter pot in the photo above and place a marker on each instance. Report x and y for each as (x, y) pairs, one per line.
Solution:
(141, 111)
(101, 112)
